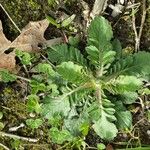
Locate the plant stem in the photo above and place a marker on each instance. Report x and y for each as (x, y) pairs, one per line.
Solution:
(18, 137)
(73, 91)
(5, 147)
(22, 78)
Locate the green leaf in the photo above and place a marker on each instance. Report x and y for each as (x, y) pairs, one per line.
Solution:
(136, 64)
(104, 126)
(144, 91)
(128, 84)
(117, 48)
(74, 41)
(84, 128)
(68, 21)
(72, 72)
(78, 126)
(33, 104)
(101, 146)
(5, 76)
(124, 117)
(51, 2)
(55, 120)
(45, 68)
(37, 86)
(59, 106)
(52, 21)
(60, 53)
(1, 115)
(60, 136)
(128, 97)
(93, 54)
(34, 124)
(100, 50)
(1, 126)
(54, 89)
(24, 57)
(15, 144)
(99, 33)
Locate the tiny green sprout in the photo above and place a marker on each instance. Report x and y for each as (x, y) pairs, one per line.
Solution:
(34, 123)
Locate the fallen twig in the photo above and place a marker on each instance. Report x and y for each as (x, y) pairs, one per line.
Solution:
(5, 147)
(18, 137)
(138, 34)
(10, 18)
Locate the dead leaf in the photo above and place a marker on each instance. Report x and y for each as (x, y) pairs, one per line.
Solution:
(31, 36)
(109, 147)
(29, 39)
(4, 43)
(99, 7)
(7, 61)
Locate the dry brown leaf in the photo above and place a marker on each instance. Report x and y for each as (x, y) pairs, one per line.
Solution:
(4, 43)
(31, 36)
(29, 39)
(7, 61)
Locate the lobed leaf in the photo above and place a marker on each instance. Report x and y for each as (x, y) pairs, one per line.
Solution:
(61, 53)
(72, 72)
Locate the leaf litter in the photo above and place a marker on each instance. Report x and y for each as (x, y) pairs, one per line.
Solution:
(32, 35)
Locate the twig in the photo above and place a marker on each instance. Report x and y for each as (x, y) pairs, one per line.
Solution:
(135, 31)
(5, 147)
(138, 34)
(18, 137)
(10, 18)
(22, 78)
(48, 61)
(143, 18)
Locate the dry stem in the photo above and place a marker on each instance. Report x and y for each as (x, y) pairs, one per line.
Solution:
(138, 34)
(18, 137)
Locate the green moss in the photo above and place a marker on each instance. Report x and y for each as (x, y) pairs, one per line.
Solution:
(22, 12)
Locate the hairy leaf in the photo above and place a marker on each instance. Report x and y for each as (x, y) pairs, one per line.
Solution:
(104, 128)
(61, 106)
(100, 50)
(124, 117)
(117, 48)
(103, 125)
(127, 84)
(99, 33)
(136, 64)
(128, 97)
(72, 72)
(60, 53)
